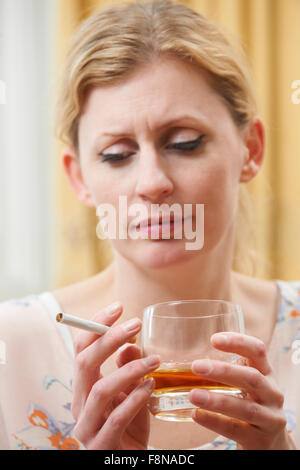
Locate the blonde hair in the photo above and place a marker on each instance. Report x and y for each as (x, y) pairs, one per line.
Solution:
(111, 43)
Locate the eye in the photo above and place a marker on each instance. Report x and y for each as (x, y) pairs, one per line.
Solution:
(189, 145)
(179, 146)
(114, 157)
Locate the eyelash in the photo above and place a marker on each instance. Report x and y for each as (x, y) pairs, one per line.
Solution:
(181, 146)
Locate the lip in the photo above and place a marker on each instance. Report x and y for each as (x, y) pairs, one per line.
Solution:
(162, 220)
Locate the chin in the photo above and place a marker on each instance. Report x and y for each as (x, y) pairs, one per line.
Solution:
(163, 253)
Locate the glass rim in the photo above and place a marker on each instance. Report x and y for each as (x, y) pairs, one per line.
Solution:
(149, 308)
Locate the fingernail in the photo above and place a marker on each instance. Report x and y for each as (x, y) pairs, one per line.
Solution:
(202, 367)
(148, 383)
(152, 361)
(132, 325)
(220, 339)
(114, 308)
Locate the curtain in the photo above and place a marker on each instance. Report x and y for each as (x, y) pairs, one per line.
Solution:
(269, 32)
(26, 222)
(79, 253)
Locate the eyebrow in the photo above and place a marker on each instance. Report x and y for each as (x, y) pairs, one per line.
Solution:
(185, 117)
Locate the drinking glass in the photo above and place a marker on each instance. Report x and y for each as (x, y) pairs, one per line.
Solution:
(180, 332)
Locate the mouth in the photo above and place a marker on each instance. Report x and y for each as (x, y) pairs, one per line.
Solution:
(159, 226)
(161, 220)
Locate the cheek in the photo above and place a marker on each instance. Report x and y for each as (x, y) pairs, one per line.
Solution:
(103, 190)
(108, 186)
(213, 184)
(218, 190)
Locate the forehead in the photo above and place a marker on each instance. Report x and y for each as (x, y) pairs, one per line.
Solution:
(164, 79)
(151, 96)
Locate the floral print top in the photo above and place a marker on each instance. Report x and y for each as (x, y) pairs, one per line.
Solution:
(36, 372)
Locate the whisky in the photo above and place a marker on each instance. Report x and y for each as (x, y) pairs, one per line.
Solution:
(173, 380)
(169, 400)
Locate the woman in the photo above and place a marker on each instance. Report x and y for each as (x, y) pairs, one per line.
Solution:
(156, 106)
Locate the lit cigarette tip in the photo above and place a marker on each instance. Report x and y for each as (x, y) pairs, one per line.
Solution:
(59, 317)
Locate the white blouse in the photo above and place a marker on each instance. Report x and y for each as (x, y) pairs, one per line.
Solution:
(36, 367)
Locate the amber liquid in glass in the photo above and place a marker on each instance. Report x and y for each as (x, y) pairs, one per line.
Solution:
(169, 399)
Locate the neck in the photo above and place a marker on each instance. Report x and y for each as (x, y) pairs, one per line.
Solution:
(201, 277)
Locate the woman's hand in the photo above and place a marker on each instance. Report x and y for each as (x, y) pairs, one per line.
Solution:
(255, 422)
(111, 411)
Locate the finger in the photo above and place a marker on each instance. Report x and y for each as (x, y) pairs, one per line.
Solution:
(121, 418)
(107, 316)
(89, 361)
(231, 428)
(103, 391)
(119, 399)
(127, 353)
(115, 401)
(100, 350)
(247, 346)
(241, 361)
(247, 379)
(261, 417)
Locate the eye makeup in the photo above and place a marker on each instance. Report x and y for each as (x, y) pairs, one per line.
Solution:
(190, 145)
(179, 146)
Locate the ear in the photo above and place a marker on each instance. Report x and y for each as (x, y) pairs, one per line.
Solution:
(71, 165)
(254, 145)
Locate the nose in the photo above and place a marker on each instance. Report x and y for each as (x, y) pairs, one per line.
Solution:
(153, 182)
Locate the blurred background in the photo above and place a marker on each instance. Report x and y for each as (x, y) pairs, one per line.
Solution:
(47, 237)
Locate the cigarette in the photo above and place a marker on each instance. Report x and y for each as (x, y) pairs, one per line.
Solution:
(82, 324)
(87, 325)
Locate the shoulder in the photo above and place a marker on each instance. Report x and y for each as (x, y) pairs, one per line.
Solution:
(281, 299)
(289, 308)
(290, 291)
(258, 291)
(17, 306)
(86, 297)
(259, 299)
(20, 316)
